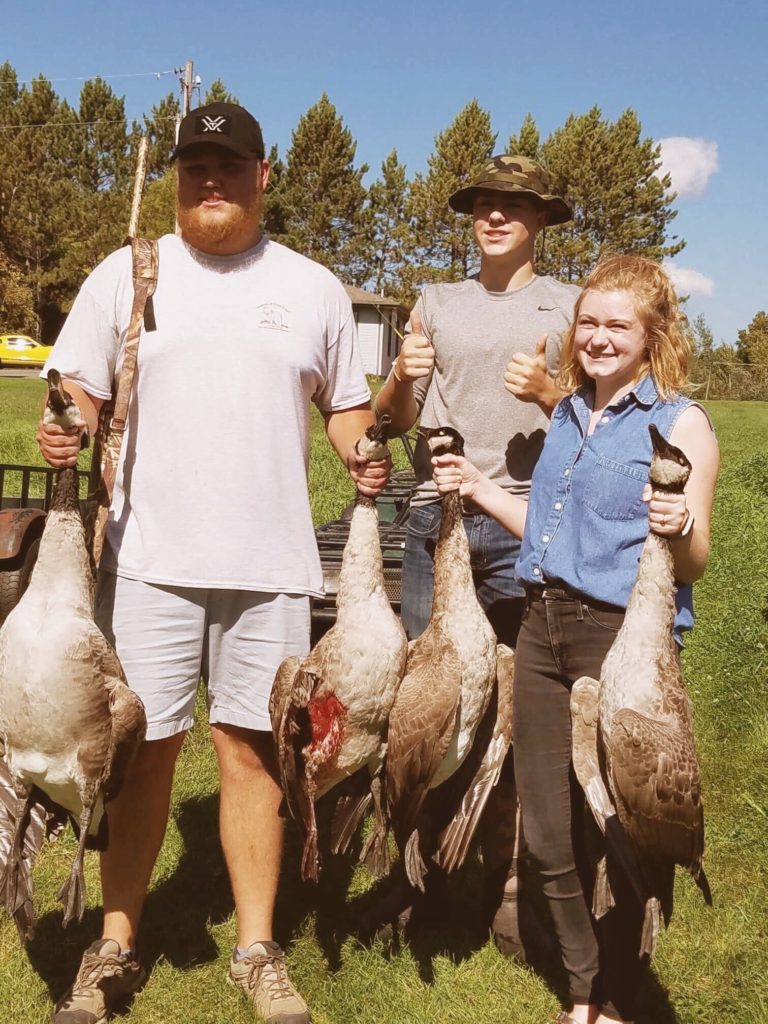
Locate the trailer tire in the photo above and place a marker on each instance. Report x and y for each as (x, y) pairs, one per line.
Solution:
(14, 578)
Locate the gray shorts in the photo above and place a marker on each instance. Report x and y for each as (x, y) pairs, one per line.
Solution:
(168, 637)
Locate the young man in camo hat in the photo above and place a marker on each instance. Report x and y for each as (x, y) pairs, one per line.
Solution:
(481, 357)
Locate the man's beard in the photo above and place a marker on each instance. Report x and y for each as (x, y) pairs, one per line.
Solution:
(201, 230)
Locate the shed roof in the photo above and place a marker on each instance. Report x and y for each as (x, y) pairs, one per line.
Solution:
(360, 297)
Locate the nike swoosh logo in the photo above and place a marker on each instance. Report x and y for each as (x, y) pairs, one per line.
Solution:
(547, 309)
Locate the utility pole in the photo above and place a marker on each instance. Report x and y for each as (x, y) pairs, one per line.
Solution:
(187, 84)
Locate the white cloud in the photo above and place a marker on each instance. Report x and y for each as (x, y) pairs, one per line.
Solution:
(687, 281)
(690, 162)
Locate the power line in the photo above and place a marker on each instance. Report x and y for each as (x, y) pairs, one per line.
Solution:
(74, 124)
(87, 78)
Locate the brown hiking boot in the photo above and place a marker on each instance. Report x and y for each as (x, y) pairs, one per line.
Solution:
(104, 981)
(263, 976)
(502, 845)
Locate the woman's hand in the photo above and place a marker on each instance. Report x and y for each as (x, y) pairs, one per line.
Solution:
(667, 513)
(454, 472)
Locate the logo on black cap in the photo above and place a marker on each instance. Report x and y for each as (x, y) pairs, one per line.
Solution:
(221, 125)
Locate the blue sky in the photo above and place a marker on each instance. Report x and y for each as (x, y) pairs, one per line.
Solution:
(399, 72)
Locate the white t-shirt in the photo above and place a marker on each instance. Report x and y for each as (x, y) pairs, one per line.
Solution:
(211, 489)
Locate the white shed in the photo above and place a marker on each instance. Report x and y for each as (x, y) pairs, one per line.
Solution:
(380, 322)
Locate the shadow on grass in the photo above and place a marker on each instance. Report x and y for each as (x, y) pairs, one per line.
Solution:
(297, 900)
(177, 914)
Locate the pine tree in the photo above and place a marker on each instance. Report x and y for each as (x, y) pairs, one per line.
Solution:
(388, 198)
(103, 173)
(528, 142)
(40, 217)
(274, 216)
(219, 93)
(607, 172)
(443, 245)
(161, 127)
(752, 346)
(322, 196)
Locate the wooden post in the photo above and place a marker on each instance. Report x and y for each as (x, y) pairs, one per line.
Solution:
(138, 186)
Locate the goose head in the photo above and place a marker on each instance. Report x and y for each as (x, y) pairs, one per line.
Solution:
(444, 441)
(372, 446)
(670, 468)
(60, 407)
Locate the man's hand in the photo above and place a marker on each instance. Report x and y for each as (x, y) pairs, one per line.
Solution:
(526, 376)
(370, 478)
(417, 357)
(60, 448)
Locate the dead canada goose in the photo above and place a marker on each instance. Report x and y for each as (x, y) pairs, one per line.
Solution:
(330, 710)
(68, 721)
(449, 684)
(633, 733)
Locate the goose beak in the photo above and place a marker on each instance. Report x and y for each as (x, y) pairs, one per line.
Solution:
(660, 444)
(379, 431)
(58, 399)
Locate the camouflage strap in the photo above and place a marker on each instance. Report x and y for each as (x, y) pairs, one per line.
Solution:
(113, 416)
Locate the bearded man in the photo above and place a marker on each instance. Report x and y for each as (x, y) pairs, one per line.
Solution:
(210, 560)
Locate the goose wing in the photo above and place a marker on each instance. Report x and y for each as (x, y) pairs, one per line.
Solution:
(117, 722)
(585, 741)
(421, 724)
(43, 819)
(658, 786)
(288, 703)
(455, 839)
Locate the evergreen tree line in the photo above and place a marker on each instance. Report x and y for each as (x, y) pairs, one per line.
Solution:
(66, 181)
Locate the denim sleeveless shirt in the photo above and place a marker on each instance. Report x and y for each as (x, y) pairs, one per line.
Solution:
(587, 521)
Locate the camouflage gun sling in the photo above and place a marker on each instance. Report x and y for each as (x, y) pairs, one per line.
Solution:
(113, 416)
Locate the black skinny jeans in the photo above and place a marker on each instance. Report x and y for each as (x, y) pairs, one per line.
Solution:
(561, 640)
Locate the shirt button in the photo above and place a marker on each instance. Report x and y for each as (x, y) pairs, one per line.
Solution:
(604, 419)
(545, 538)
(566, 472)
(537, 571)
(558, 505)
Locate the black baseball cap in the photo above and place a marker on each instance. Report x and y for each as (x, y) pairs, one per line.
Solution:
(221, 124)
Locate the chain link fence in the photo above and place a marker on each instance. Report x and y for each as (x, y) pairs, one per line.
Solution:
(735, 381)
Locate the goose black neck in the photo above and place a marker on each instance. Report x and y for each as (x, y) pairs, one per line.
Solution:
(364, 500)
(65, 494)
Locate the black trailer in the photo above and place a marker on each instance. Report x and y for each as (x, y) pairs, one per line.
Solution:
(25, 497)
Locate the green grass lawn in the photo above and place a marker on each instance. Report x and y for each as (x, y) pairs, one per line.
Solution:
(711, 966)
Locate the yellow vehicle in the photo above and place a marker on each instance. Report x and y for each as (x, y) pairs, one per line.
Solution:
(19, 350)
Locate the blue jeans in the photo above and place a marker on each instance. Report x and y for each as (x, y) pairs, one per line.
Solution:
(493, 552)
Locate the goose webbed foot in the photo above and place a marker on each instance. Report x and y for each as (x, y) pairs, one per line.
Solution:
(602, 897)
(651, 923)
(415, 867)
(72, 892)
(375, 853)
(310, 859)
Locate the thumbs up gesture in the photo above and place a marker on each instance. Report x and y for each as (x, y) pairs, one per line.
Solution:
(526, 376)
(417, 357)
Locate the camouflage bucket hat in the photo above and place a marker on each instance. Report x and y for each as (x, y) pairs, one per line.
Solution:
(513, 174)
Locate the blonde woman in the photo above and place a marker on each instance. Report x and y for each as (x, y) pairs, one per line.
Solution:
(625, 363)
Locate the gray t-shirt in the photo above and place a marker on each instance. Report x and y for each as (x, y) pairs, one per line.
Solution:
(475, 333)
